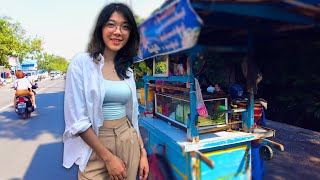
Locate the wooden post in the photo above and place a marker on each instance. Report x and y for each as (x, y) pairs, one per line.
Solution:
(145, 86)
(192, 122)
(249, 115)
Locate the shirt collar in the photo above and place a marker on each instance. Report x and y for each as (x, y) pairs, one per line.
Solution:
(99, 59)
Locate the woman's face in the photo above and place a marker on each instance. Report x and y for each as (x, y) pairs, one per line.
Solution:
(116, 32)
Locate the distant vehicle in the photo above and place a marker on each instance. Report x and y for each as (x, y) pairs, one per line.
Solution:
(32, 76)
(42, 74)
(55, 75)
(52, 75)
(59, 74)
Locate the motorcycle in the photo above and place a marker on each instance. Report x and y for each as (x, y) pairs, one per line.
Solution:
(24, 106)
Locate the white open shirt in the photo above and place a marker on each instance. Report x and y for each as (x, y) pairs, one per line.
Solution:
(83, 100)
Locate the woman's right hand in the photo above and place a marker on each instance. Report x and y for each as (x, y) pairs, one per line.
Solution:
(116, 168)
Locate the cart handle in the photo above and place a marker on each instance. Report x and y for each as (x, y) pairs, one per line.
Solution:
(272, 144)
(203, 158)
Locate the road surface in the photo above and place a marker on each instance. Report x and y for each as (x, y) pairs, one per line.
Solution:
(32, 149)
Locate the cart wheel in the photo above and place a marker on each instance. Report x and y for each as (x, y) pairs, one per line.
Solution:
(266, 152)
(159, 168)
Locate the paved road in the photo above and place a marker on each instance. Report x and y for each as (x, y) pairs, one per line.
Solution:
(301, 158)
(32, 149)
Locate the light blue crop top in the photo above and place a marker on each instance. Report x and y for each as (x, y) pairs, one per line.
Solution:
(115, 99)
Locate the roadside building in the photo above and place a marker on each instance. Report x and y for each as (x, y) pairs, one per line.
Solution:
(30, 67)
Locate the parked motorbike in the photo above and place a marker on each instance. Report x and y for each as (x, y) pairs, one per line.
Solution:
(24, 106)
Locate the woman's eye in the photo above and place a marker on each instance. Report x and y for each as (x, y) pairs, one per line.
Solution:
(126, 27)
(111, 25)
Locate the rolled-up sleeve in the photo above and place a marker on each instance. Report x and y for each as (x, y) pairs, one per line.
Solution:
(75, 110)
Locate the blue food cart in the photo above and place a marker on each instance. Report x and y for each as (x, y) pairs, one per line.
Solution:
(185, 140)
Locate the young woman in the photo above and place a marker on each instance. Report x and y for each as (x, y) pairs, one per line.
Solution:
(23, 87)
(101, 109)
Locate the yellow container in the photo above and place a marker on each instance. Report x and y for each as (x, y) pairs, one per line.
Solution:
(150, 95)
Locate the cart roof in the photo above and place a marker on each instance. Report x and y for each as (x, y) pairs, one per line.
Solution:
(222, 23)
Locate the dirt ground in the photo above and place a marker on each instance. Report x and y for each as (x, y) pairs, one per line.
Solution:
(301, 156)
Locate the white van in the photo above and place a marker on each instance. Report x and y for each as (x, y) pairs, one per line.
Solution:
(32, 76)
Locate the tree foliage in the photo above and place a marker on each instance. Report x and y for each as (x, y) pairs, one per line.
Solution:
(51, 62)
(8, 41)
(14, 42)
(138, 19)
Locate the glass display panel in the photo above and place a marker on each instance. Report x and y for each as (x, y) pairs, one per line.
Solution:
(215, 114)
(173, 109)
(177, 110)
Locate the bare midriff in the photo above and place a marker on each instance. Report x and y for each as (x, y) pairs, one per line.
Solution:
(114, 123)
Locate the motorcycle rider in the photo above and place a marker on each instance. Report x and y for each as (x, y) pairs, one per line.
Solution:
(23, 87)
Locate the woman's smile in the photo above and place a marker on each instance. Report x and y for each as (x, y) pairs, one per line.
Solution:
(115, 41)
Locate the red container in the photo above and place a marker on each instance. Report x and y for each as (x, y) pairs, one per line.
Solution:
(257, 110)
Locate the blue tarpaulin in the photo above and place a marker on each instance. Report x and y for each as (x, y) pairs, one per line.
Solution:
(29, 64)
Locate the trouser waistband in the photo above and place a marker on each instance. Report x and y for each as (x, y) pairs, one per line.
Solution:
(104, 131)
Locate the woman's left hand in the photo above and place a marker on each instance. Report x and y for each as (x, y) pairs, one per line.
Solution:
(143, 166)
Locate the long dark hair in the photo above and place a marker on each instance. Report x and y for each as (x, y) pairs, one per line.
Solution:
(124, 57)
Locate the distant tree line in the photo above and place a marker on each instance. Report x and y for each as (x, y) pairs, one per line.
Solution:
(14, 42)
(51, 62)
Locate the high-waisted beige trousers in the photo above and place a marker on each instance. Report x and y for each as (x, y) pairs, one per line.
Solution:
(122, 141)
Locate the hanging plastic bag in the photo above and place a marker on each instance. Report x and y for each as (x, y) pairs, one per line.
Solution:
(201, 107)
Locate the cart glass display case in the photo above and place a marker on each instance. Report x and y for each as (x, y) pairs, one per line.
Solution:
(172, 108)
(176, 109)
(216, 114)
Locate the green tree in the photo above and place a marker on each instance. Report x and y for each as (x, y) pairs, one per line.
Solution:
(13, 41)
(8, 41)
(138, 19)
(36, 48)
(51, 62)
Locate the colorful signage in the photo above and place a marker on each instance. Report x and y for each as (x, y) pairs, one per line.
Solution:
(169, 30)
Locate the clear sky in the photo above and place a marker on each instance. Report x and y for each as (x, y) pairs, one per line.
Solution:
(65, 25)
